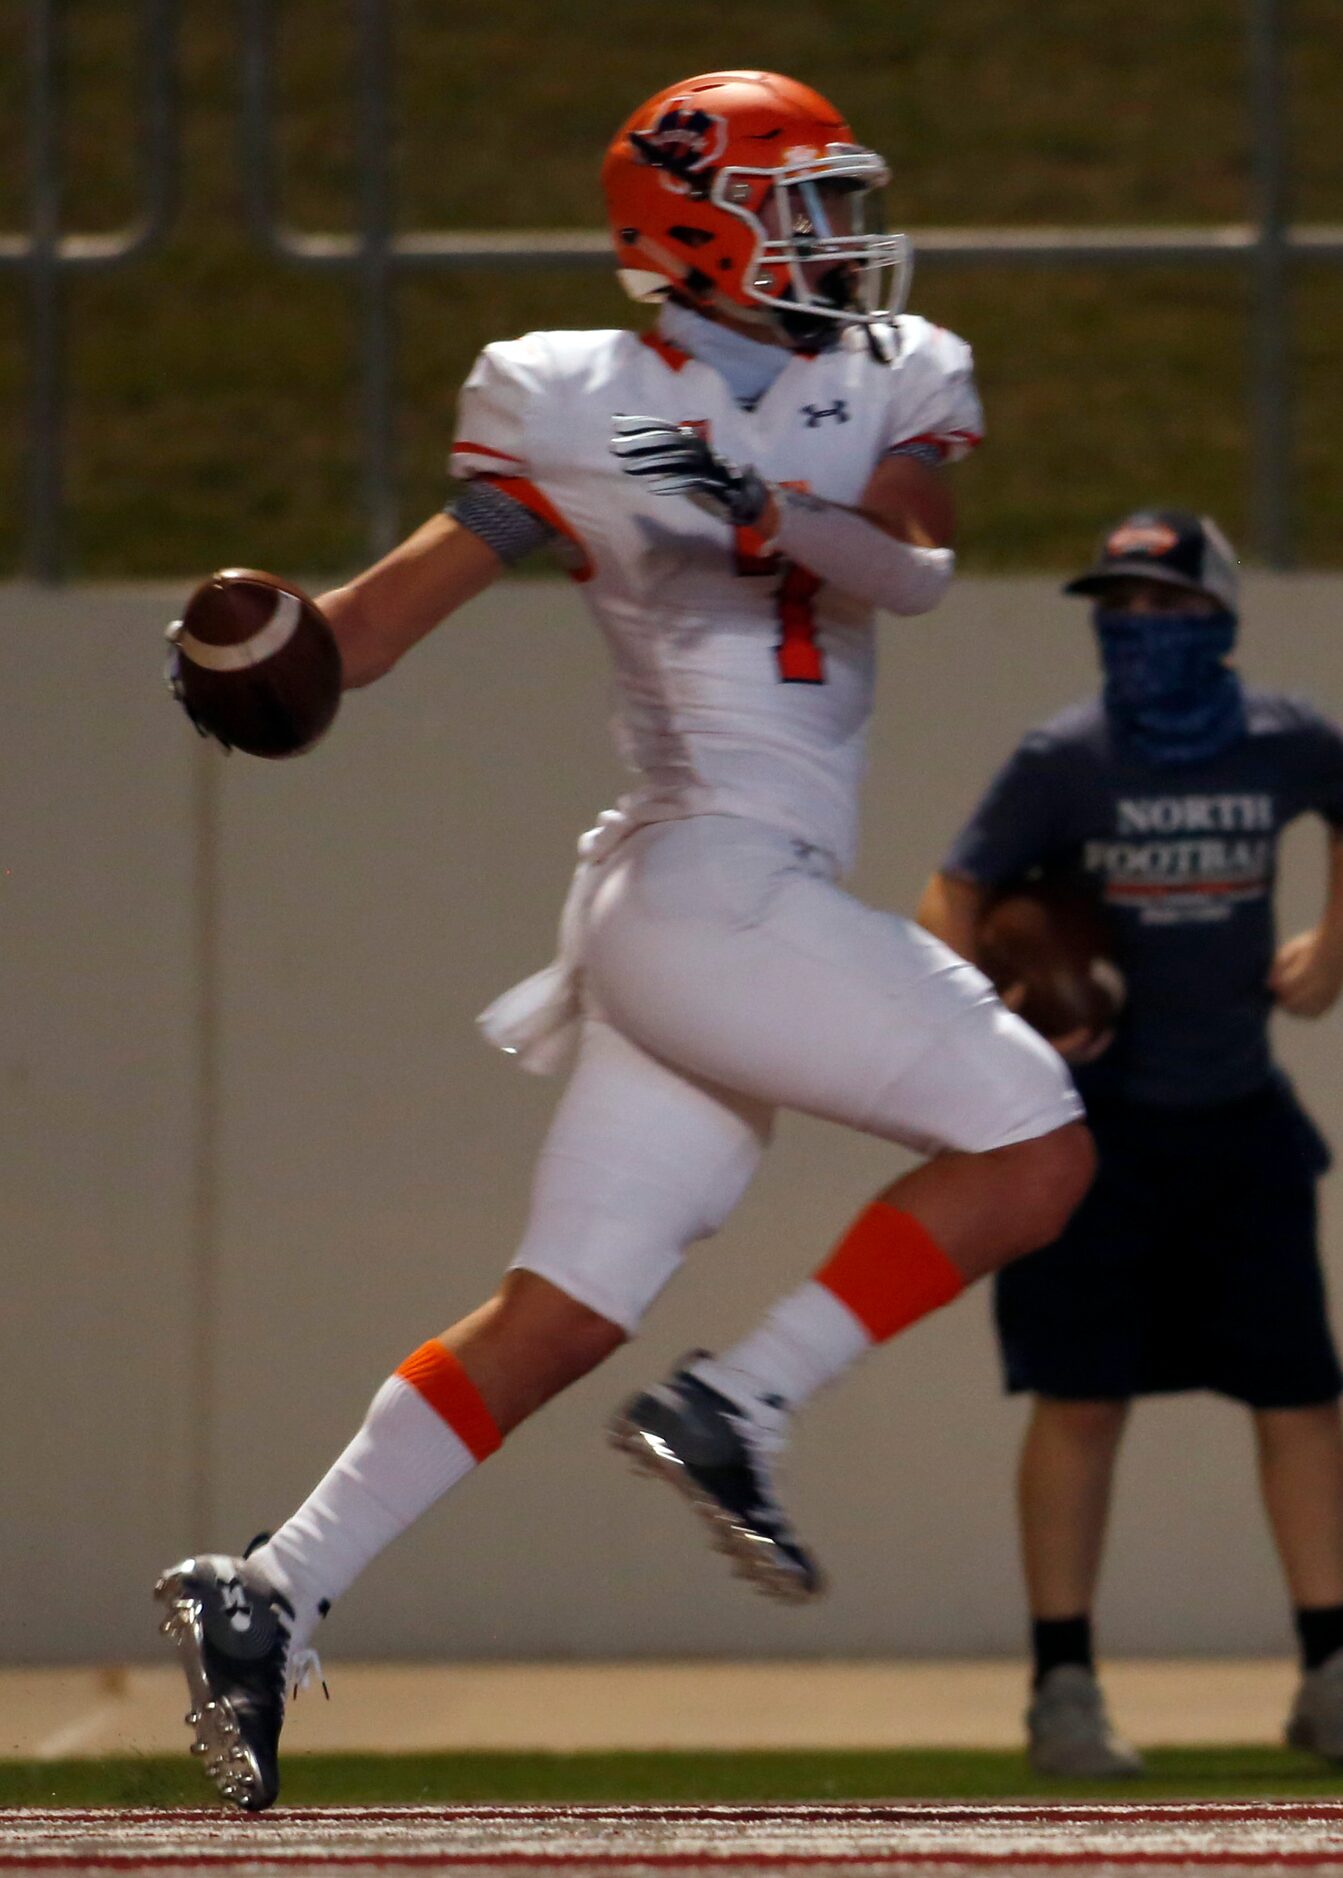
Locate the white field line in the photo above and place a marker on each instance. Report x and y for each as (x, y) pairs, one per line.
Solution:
(80, 1733)
(1255, 1837)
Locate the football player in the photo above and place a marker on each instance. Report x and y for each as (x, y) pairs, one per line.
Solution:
(1192, 1263)
(739, 490)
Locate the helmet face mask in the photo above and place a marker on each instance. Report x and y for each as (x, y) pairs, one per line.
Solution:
(744, 195)
(813, 254)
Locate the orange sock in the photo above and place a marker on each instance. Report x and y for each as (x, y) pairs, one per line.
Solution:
(889, 1271)
(438, 1376)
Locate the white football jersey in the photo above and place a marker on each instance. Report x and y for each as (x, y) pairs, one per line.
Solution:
(744, 684)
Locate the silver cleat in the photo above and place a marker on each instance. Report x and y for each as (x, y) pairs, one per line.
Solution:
(237, 1702)
(689, 1435)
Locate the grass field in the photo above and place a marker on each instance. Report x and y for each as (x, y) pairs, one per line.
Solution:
(213, 391)
(468, 1779)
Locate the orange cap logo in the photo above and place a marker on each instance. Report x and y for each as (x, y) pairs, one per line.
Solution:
(1142, 538)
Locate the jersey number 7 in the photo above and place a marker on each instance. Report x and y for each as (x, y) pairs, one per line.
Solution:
(799, 658)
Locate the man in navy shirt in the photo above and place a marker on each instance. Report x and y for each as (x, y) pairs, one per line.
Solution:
(1192, 1264)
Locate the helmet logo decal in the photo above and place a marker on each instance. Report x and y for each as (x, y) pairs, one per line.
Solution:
(1142, 538)
(684, 141)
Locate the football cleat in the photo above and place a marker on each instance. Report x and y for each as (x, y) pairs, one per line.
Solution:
(1069, 1730)
(707, 1447)
(234, 1637)
(1316, 1720)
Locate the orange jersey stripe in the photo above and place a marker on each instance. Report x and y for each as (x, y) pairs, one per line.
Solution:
(435, 1374)
(484, 449)
(670, 354)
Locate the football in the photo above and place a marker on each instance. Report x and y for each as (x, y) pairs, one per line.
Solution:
(1051, 939)
(258, 664)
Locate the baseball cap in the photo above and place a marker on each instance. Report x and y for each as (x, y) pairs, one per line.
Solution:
(1171, 545)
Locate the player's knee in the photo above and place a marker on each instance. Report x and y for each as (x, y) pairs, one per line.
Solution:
(1053, 1173)
(535, 1313)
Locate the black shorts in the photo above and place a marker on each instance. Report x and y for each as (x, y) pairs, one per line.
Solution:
(1191, 1264)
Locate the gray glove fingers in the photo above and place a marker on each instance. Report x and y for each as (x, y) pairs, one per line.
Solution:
(665, 436)
(651, 453)
(650, 433)
(672, 459)
(638, 437)
(627, 426)
(672, 448)
(675, 485)
(652, 461)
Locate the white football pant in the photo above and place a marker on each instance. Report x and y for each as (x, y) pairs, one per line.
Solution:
(725, 974)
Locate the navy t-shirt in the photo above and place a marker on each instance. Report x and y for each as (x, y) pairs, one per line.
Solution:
(1184, 858)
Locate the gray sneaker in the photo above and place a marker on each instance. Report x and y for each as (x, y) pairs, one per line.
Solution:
(1316, 1720)
(1069, 1730)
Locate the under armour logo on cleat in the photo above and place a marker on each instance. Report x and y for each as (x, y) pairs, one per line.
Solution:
(816, 414)
(237, 1605)
(237, 1622)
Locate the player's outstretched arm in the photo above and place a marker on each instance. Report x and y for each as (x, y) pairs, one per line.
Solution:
(1307, 974)
(394, 604)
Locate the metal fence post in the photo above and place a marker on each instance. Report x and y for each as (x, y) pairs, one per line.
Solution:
(44, 432)
(43, 254)
(378, 366)
(1271, 472)
(202, 1288)
(371, 255)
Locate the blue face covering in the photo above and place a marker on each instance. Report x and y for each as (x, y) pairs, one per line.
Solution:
(1168, 693)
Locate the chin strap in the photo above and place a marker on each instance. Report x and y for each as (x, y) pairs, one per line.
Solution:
(883, 353)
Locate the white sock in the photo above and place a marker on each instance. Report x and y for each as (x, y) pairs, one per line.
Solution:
(806, 1340)
(403, 1459)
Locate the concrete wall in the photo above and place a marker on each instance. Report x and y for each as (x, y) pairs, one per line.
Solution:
(253, 1153)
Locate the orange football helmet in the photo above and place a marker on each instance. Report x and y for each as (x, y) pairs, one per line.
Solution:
(745, 192)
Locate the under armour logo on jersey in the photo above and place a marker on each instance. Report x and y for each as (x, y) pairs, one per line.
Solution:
(816, 414)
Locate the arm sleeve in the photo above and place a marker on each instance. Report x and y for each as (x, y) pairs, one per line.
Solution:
(935, 410)
(500, 520)
(1018, 823)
